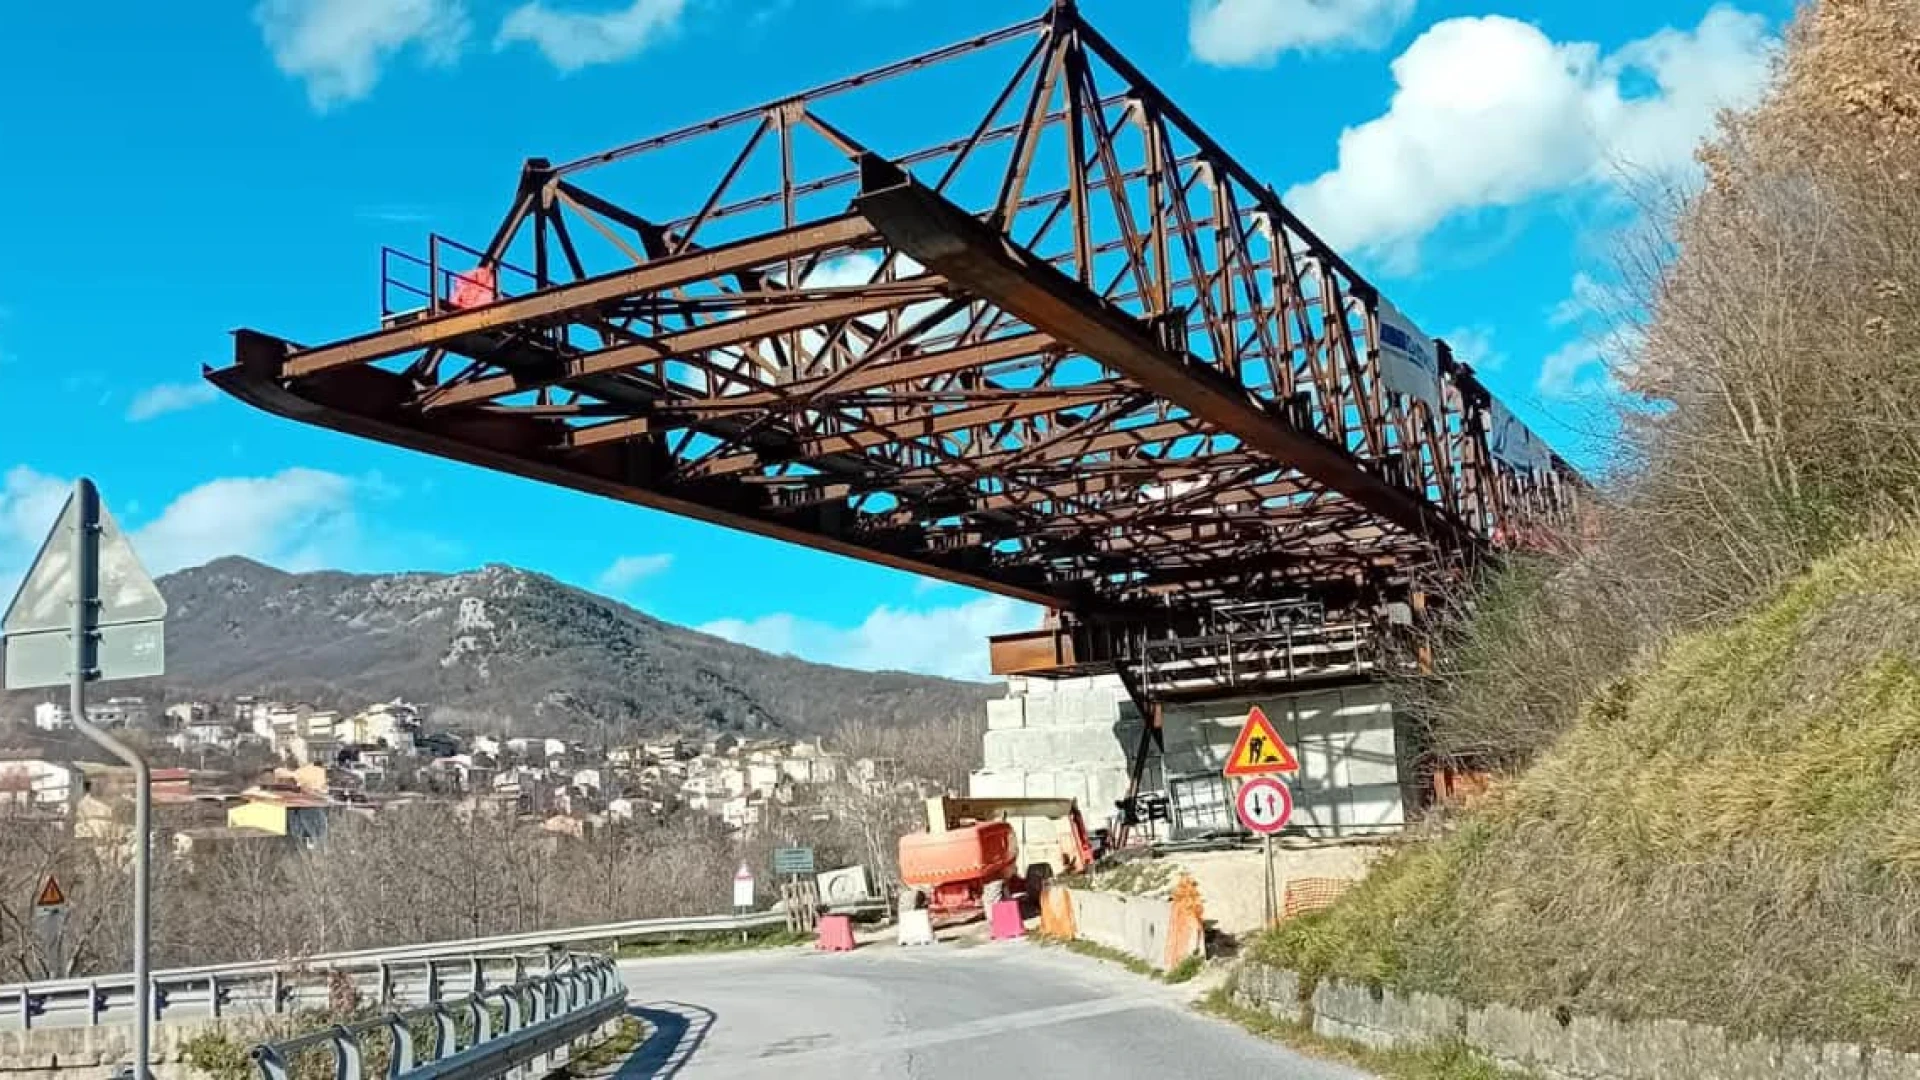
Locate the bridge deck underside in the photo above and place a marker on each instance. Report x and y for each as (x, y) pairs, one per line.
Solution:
(1075, 354)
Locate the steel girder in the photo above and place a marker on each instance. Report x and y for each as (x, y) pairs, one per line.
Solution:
(1075, 354)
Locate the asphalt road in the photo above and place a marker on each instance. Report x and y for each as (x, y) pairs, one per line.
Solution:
(941, 1012)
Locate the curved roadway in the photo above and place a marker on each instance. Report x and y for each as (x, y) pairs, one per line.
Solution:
(942, 1012)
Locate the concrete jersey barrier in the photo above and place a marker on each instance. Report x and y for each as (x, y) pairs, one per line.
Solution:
(1159, 931)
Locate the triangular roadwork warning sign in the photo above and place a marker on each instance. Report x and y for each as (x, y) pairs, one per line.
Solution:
(50, 895)
(1259, 749)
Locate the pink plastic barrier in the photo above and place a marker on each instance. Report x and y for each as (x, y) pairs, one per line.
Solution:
(836, 934)
(1006, 922)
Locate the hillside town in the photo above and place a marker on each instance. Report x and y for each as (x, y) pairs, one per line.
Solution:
(270, 772)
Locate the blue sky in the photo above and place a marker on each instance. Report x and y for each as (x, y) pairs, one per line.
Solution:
(179, 170)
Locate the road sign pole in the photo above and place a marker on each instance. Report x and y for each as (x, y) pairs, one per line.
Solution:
(51, 927)
(86, 578)
(1272, 886)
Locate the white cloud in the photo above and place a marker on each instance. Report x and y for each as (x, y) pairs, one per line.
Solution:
(29, 501)
(1473, 345)
(629, 570)
(573, 40)
(337, 47)
(924, 585)
(1249, 33)
(1576, 369)
(1490, 113)
(297, 519)
(859, 269)
(1607, 353)
(1583, 299)
(168, 398)
(944, 641)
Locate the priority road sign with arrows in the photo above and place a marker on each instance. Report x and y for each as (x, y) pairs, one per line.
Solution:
(1259, 749)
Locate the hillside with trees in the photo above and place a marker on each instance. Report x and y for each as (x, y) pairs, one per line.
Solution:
(504, 650)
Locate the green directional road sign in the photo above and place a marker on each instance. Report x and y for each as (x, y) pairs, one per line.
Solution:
(793, 860)
(127, 615)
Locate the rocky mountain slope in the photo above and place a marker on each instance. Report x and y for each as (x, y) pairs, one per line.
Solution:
(502, 649)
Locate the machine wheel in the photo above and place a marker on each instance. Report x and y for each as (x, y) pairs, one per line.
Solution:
(1037, 877)
(992, 893)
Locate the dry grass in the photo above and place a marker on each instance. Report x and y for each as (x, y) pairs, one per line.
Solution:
(1729, 836)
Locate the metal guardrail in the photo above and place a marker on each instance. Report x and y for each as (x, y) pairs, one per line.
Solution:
(543, 1015)
(411, 974)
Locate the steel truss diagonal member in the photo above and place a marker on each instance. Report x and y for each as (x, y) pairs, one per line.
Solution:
(973, 256)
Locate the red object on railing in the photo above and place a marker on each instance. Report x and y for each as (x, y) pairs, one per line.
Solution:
(475, 288)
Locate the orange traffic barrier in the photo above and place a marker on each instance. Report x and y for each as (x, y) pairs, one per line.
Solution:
(836, 933)
(1186, 930)
(1056, 913)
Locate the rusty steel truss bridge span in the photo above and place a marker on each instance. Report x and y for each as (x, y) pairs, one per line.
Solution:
(1067, 349)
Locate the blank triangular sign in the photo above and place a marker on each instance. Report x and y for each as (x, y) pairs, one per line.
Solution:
(127, 594)
(1259, 749)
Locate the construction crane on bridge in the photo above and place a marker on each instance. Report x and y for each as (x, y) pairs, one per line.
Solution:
(1067, 349)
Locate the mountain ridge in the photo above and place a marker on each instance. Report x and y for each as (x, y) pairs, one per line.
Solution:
(500, 648)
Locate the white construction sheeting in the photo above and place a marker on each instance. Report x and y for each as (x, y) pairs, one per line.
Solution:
(1349, 778)
(1514, 443)
(1409, 361)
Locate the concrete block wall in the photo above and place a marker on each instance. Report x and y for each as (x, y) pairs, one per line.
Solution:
(1066, 738)
(1580, 1048)
(95, 1053)
(1071, 738)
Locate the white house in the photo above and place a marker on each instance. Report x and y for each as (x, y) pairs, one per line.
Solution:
(662, 749)
(187, 713)
(762, 778)
(536, 746)
(118, 712)
(740, 812)
(203, 734)
(518, 778)
(48, 716)
(35, 784)
(255, 716)
(377, 726)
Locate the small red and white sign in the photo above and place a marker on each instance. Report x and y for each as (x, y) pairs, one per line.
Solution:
(1265, 805)
(743, 887)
